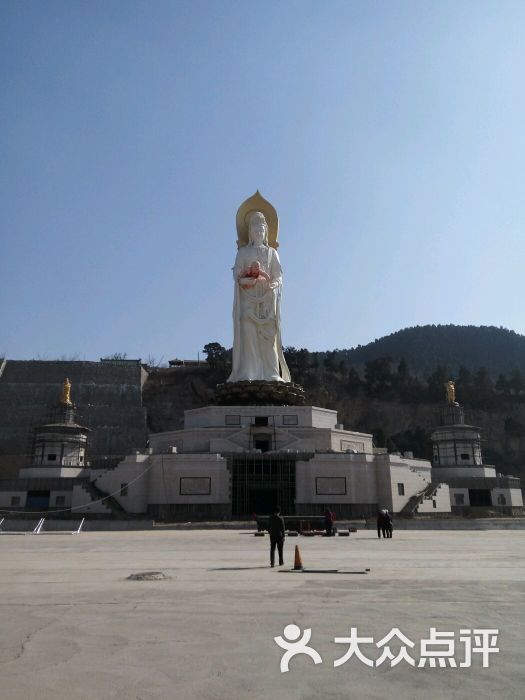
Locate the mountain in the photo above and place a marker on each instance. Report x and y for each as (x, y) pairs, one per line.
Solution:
(424, 347)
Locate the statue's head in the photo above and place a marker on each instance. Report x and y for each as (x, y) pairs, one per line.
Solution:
(257, 229)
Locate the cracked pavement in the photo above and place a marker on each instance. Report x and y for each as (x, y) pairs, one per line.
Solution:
(73, 627)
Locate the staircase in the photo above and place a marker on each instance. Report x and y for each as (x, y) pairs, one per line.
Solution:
(410, 507)
(117, 511)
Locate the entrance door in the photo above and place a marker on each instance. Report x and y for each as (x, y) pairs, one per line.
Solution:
(262, 481)
(479, 497)
(263, 500)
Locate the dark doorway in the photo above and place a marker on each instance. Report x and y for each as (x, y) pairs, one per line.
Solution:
(479, 497)
(37, 499)
(260, 482)
(262, 444)
(263, 500)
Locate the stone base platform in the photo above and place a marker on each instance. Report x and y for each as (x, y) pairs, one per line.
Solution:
(259, 393)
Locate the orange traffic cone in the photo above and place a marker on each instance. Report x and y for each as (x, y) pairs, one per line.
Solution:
(298, 562)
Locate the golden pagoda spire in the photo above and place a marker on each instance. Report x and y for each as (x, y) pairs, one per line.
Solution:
(66, 393)
(450, 388)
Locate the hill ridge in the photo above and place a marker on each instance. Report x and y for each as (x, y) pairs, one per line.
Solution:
(424, 347)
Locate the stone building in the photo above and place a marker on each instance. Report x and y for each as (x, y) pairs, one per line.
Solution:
(108, 395)
(233, 461)
(226, 462)
(458, 461)
(229, 462)
(57, 476)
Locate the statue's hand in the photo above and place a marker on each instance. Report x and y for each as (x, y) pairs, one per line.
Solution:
(247, 282)
(262, 285)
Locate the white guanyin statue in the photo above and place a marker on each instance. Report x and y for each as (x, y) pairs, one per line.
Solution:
(257, 274)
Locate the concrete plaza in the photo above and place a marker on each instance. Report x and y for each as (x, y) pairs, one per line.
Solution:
(73, 625)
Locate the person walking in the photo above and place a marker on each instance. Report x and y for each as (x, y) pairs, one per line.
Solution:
(276, 531)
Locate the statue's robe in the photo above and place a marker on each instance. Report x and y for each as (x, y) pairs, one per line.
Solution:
(257, 345)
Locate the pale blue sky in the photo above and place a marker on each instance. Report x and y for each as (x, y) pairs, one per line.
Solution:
(389, 136)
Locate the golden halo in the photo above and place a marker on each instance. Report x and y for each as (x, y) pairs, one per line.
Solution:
(257, 203)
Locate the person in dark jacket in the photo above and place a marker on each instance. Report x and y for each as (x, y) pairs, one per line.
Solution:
(381, 524)
(329, 522)
(276, 531)
(389, 525)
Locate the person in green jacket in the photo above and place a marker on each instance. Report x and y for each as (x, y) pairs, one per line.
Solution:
(276, 531)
